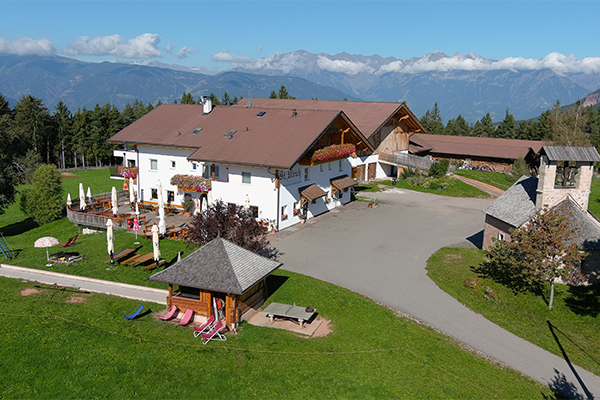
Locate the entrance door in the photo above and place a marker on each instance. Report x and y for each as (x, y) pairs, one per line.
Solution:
(358, 173)
(372, 171)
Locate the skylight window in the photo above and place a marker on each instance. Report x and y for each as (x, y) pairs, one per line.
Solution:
(260, 114)
(230, 134)
(195, 131)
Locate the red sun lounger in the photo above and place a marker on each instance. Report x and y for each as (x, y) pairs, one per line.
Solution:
(187, 317)
(172, 313)
(204, 327)
(214, 334)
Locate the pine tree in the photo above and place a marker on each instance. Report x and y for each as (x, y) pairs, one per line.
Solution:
(226, 100)
(432, 121)
(283, 93)
(187, 98)
(507, 128)
(273, 95)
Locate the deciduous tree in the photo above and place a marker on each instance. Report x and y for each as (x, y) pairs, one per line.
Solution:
(43, 201)
(231, 222)
(541, 250)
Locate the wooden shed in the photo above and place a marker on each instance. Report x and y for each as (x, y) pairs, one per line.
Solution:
(222, 270)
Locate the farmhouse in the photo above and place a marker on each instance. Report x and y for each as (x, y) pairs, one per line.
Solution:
(285, 165)
(564, 182)
(490, 154)
(387, 126)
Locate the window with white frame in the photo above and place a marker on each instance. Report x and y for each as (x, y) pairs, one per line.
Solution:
(246, 177)
(500, 236)
(131, 163)
(153, 165)
(305, 174)
(172, 163)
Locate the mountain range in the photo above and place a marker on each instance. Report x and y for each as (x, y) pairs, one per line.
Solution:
(469, 85)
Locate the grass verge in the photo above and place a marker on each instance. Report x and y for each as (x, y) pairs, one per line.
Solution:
(89, 351)
(497, 179)
(574, 317)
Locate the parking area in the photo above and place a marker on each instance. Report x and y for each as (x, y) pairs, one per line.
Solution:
(382, 253)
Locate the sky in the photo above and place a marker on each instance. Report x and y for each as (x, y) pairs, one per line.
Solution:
(222, 34)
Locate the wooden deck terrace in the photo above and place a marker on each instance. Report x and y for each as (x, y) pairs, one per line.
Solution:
(99, 212)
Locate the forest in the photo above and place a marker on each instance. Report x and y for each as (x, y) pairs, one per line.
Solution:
(31, 134)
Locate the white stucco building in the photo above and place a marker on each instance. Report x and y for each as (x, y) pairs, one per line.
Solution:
(265, 158)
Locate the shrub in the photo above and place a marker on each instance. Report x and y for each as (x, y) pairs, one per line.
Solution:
(408, 172)
(439, 168)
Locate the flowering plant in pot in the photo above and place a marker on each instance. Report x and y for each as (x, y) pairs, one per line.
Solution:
(191, 183)
(128, 172)
(333, 151)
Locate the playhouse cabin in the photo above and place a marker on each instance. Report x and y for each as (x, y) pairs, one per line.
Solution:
(218, 270)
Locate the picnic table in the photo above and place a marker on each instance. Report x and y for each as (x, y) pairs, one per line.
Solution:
(294, 312)
(141, 260)
(120, 254)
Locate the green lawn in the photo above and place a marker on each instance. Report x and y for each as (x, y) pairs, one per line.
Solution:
(594, 204)
(445, 187)
(575, 317)
(497, 179)
(89, 351)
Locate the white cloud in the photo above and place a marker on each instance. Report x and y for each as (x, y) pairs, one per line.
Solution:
(555, 61)
(184, 51)
(143, 46)
(26, 46)
(343, 66)
(259, 49)
(226, 56)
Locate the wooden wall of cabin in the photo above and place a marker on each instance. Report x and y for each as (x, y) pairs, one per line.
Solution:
(201, 306)
(252, 298)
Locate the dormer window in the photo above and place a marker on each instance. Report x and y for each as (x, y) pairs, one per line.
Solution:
(566, 176)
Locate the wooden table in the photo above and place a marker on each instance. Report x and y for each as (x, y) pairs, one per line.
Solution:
(141, 260)
(121, 254)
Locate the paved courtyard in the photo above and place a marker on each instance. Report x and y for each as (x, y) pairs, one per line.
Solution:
(382, 253)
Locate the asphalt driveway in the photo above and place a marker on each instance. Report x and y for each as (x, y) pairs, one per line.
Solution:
(382, 253)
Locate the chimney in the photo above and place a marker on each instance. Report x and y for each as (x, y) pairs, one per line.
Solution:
(207, 103)
(294, 113)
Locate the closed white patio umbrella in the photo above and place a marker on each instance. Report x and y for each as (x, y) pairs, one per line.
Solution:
(155, 243)
(131, 192)
(162, 224)
(89, 194)
(110, 239)
(81, 197)
(113, 201)
(69, 202)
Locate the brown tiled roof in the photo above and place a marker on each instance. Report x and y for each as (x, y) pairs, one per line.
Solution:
(343, 182)
(470, 146)
(312, 192)
(233, 135)
(368, 116)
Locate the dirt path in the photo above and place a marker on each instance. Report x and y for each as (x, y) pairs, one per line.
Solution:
(491, 190)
